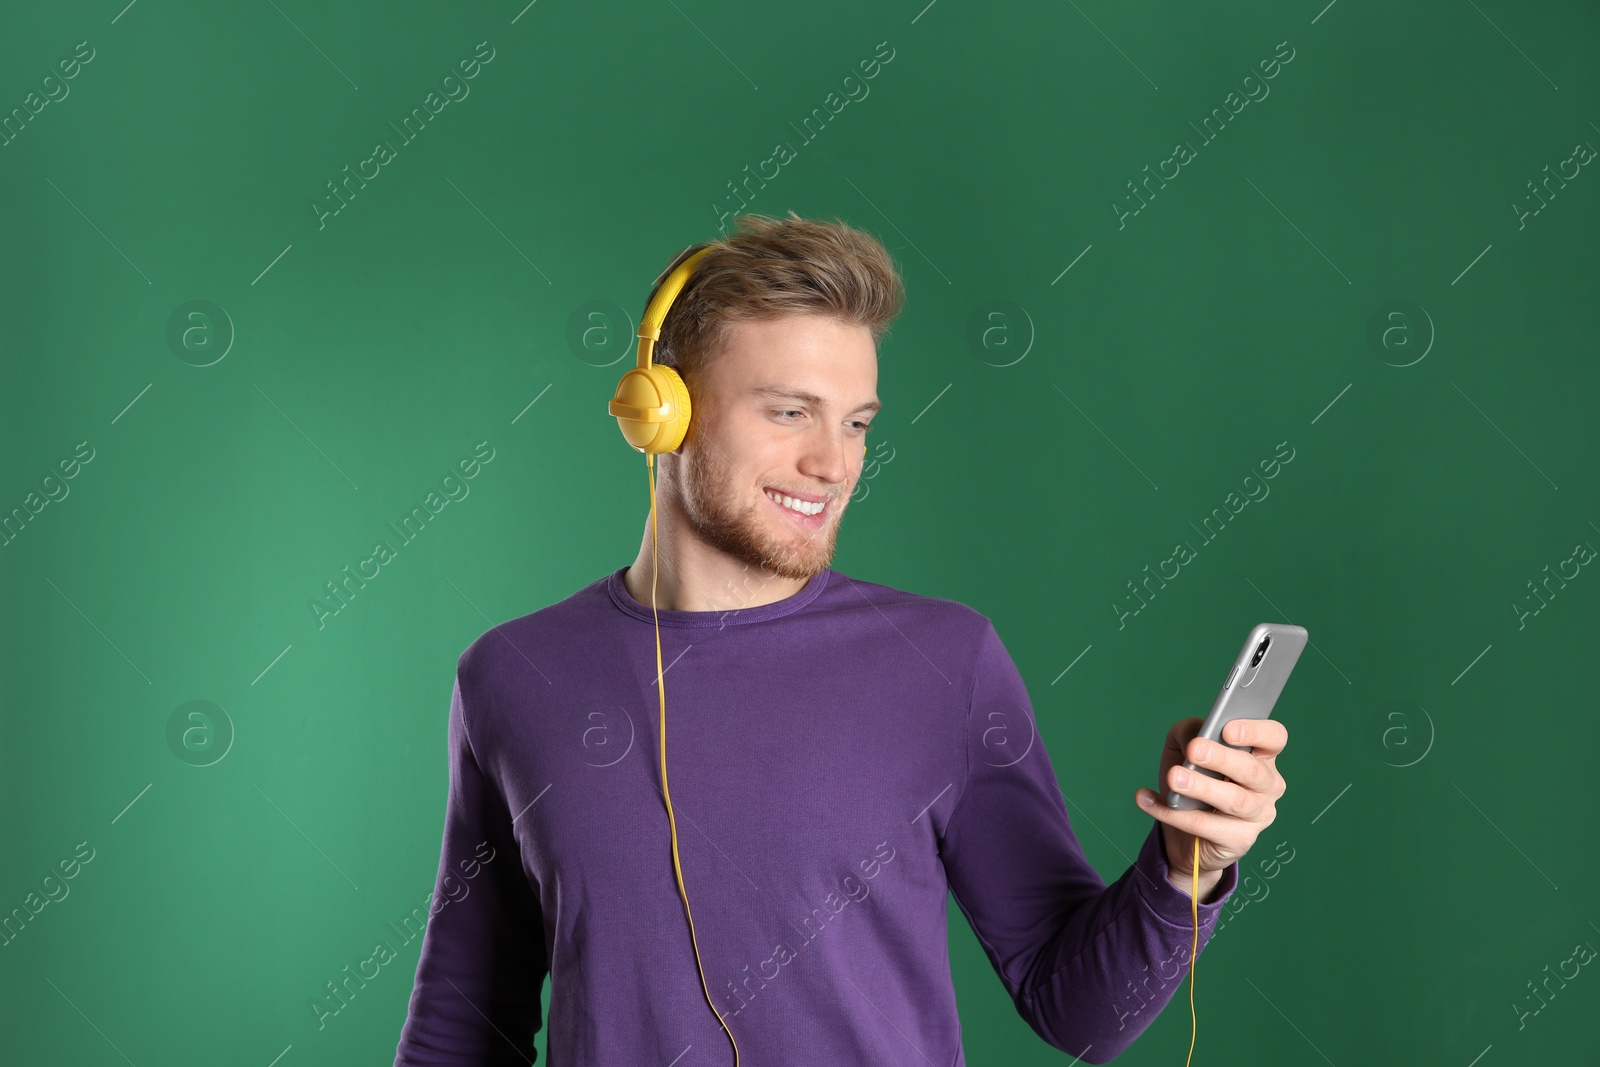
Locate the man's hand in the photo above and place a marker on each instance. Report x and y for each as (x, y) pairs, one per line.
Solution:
(1245, 799)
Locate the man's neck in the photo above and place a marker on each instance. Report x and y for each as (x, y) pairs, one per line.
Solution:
(696, 577)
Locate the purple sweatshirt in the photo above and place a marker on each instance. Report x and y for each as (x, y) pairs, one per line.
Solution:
(839, 761)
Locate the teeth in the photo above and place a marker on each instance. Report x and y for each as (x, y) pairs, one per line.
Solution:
(804, 507)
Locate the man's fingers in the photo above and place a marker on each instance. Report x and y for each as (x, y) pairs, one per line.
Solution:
(1251, 771)
(1182, 733)
(1229, 798)
(1220, 830)
(1267, 736)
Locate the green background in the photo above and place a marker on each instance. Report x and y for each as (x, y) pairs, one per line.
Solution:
(1050, 432)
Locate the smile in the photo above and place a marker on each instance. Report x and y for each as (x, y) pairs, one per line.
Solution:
(805, 508)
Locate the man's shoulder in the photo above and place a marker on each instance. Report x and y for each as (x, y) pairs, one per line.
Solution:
(540, 630)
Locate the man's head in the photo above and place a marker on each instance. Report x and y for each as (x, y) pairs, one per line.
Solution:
(775, 335)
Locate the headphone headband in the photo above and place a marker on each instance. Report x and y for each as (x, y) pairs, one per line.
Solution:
(667, 290)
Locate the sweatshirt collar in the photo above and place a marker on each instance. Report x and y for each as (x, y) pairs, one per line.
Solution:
(718, 618)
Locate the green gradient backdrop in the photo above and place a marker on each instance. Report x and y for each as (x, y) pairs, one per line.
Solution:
(1048, 434)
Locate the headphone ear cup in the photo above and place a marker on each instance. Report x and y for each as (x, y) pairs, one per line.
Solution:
(649, 389)
(670, 434)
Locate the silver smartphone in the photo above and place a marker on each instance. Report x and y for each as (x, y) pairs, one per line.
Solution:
(1251, 689)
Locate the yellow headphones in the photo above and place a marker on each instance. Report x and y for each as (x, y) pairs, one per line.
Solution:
(652, 403)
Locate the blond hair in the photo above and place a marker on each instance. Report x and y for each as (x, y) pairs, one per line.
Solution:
(768, 268)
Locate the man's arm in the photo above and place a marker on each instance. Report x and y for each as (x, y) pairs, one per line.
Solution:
(483, 963)
(1088, 966)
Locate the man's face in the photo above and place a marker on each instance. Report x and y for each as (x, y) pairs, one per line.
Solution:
(780, 410)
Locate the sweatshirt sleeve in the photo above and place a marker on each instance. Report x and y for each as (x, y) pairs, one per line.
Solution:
(483, 962)
(1088, 966)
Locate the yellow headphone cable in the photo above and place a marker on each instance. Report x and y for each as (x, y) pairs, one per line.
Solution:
(652, 409)
(1194, 946)
(672, 822)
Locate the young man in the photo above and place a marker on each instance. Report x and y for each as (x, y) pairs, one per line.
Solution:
(842, 755)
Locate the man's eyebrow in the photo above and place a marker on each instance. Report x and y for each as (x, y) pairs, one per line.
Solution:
(806, 398)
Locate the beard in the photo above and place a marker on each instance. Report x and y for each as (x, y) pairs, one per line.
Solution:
(711, 490)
